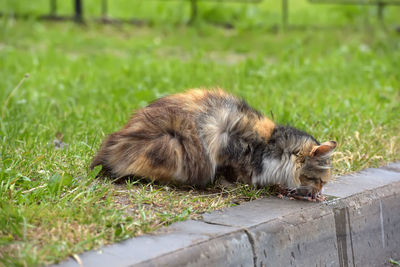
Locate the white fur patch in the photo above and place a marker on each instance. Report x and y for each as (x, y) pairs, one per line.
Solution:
(276, 172)
(179, 175)
(215, 133)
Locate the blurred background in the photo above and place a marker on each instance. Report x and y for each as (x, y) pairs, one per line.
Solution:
(242, 14)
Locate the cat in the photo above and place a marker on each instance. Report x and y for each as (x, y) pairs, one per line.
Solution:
(196, 136)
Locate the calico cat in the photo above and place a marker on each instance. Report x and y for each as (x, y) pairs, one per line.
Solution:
(193, 137)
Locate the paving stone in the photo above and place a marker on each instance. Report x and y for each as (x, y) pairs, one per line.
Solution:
(230, 250)
(255, 212)
(303, 240)
(395, 167)
(359, 231)
(367, 227)
(177, 237)
(365, 180)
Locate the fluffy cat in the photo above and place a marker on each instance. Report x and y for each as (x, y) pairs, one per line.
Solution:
(193, 137)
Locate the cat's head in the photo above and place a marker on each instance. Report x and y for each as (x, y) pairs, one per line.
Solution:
(314, 168)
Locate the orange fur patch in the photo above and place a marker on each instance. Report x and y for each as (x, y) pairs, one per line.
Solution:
(264, 127)
(142, 167)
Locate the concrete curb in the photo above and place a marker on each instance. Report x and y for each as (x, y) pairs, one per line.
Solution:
(359, 228)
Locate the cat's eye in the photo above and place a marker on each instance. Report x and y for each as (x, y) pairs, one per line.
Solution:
(317, 180)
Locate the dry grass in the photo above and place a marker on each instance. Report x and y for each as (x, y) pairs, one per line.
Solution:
(361, 151)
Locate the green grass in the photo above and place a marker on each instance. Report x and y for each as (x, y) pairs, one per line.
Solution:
(340, 82)
(394, 262)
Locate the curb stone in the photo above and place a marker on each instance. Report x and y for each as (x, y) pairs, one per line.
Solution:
(361, 227)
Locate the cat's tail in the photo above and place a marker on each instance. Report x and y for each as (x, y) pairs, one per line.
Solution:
(101, 157)
(157, 143)
(144, 152)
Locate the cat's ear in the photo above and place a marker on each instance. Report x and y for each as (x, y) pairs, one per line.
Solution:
(323, 149)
